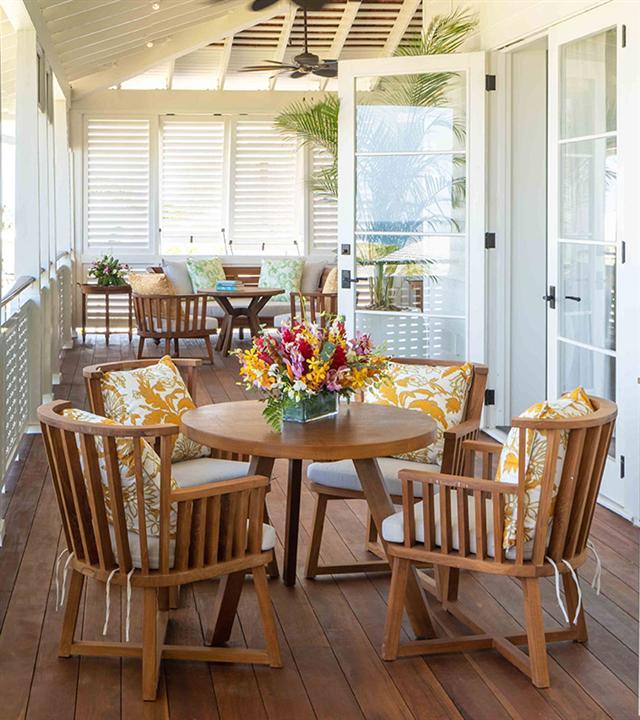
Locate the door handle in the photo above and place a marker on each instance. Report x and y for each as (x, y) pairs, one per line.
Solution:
(347, 280)
(551, 297)
(572, 297)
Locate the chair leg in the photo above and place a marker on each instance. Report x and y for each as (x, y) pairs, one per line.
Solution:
(267, 615)
(176, 347)
(76, 583)
(395, 608)
(207, 342)
(140, 347)
(571, 595)
(447, 579)
(151, 644)
(316, 536)
(535, 632)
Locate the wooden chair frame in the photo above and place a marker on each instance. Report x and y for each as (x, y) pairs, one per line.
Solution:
(317, 305)
(218, 534)
(452, 463)
(173, 318)
(588, 443)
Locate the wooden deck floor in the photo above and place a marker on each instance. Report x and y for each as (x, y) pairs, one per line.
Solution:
(330, 629)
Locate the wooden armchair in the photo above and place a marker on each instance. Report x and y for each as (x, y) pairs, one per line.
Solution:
(470, 528)
(173, 317)
(219, 533)
(317, 305)
(452, 463)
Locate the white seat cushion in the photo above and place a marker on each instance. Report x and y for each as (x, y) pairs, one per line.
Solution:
(342, 474)
(211, 323)
(280, 320)
(393, 527)
(191, 473)
(271, 308)
(153, 546)
(207, 470)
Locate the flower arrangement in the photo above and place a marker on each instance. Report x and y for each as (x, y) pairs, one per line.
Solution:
(303, 362)
(109, 271)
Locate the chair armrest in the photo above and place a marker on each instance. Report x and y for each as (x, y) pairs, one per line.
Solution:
(453, 455)
(483, 446)
(225, 487)
(456, 482)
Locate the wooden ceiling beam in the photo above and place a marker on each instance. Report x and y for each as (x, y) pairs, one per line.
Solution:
(283, 40)
(224, 61)
(405, 15)
(342, 33)
(179, 44)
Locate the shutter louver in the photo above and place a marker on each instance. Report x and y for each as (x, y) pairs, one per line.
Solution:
(192, 180)
(265, 191)
(117, 182)
(324, 209)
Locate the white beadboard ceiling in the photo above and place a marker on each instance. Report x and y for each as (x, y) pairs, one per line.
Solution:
(202, 44)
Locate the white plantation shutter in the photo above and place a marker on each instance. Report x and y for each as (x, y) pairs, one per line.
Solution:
(266, 198)
(324, 209)
(117, 184)
(191, 186)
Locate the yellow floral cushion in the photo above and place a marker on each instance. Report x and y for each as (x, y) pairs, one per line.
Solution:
(150, 477)
(331, 282)
(572, 404)
(151, 395)
(440, 391)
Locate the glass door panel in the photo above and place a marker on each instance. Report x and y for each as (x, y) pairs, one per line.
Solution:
(408, 207)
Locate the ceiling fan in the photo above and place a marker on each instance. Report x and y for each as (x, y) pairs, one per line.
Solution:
(306, 4)
(302, 64)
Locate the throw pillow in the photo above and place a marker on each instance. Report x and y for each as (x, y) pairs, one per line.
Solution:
(330, 286)
(285, 273)
(438, 390)
(205, 274)
(176, 271)
(155, 394)
(311, 274)
(151, 284)
(150, 477)
(572, 404)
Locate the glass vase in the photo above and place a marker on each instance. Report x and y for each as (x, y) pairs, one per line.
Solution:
(314, 407)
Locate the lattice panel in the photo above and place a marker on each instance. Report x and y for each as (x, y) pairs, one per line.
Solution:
(15, 360)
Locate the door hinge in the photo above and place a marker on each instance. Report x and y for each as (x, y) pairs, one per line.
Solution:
(623, 252)
(489, 397)
(489, 241)
(621, 466)
(489, 82)
(623, 36)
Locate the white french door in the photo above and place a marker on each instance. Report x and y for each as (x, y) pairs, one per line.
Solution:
(411, 203)
(592, 261)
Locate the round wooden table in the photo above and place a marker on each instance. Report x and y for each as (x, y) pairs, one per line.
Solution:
(360, 432)
(258, 297)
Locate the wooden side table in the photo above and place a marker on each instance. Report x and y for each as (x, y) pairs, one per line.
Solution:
(91, 289)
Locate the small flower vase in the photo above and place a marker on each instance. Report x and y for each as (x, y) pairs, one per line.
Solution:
(313, 407)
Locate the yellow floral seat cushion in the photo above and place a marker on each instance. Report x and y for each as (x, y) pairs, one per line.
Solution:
(438, 390)
(150, 477)
(151, 395)
(572, 404)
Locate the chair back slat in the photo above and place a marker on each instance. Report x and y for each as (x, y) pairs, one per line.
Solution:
(408, 503)
(463, 521)
(116, 501)
(198, 533)
(213, 529)
(240, 526)
(445, 519)
(183, 535)
(481, 524)
(142, 519)
(520, 495)
(97, 502)
(256, 515)
(497, 501)
(545, 503)
(428, 520)
(566, 494)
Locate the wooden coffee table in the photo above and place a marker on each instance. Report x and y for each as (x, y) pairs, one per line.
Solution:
(258, 297)
(360, 432)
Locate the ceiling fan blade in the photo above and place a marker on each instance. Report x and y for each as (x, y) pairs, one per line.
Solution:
(299, 73)
(268, 68)
(311, 4)
(262, 4)
(328, 72)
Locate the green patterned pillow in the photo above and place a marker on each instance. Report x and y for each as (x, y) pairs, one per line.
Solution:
(285, 273)
(205, 274)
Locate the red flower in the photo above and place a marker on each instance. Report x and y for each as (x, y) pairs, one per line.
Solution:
(286, 334)
(305, 349)
(339, 358)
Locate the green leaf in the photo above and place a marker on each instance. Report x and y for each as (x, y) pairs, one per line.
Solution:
(272, 413)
